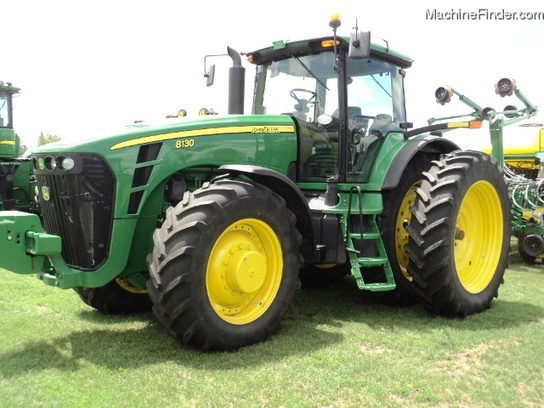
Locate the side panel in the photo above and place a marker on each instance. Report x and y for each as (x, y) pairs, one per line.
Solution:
(9, 143)
(268, 141)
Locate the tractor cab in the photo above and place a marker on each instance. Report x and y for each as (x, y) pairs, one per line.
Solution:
(9, 142)
(343, 103)
(7, 92)
(16, 182)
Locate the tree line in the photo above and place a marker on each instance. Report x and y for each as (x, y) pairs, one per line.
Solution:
(43, 139)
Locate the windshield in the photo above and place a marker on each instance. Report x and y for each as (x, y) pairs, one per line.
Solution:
(307, 87)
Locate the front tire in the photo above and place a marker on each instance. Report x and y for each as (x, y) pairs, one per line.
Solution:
(460, 234)
(224, 269)
(116, 297)
(315, 276)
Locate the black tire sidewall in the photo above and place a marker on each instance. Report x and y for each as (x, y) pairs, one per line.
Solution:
(112, 298)
(213, 332)
(393, 199)
(243, 209)
(437, 280)
(488, 171)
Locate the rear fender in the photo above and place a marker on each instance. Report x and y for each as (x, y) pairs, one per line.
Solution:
(429, 144)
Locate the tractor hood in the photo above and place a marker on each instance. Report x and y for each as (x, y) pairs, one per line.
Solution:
(143, 133)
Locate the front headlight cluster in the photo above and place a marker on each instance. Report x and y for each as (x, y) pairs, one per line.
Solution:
(61, 162)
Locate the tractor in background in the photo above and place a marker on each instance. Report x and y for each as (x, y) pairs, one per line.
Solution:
(522, 164)
(214, 222)
(16, 179)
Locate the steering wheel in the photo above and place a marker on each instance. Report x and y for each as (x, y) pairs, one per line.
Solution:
(311, 99)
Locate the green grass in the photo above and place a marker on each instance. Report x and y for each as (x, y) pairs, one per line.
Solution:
(337, 348)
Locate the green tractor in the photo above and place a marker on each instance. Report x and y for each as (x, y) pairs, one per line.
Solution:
(16, 180)
(214, 222)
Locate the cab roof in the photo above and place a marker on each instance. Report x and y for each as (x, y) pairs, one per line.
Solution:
(283, 49)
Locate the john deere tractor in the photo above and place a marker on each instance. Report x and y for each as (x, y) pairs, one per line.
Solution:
(16, 186)
(214, 221)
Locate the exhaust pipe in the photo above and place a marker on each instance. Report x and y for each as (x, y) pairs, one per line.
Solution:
(237, 74)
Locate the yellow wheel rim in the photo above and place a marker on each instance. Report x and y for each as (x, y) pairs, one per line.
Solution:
(126, 285)
(244, 271)
(478, 237)
(401, 236)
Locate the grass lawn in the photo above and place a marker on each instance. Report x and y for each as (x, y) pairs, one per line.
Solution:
(337, 348)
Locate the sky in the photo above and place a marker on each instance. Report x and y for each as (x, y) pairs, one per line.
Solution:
(87, 66)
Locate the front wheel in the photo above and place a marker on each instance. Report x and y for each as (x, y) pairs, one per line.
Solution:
(116, 297)
(313, 276)
(459, 234)
(224, 269)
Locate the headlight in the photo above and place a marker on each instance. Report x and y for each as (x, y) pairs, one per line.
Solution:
(50, 163)
(66, 163)
(60, 163)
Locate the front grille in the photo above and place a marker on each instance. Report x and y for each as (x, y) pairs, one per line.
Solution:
(78, 206)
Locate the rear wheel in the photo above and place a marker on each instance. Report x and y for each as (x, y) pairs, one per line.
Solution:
(460, 234)
(224, 270)
(396, 217)
(116, 297)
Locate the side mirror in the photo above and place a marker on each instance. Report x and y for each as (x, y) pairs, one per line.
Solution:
(359, 44)
(210, 75)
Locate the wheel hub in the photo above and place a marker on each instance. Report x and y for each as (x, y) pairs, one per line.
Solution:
(246, 271)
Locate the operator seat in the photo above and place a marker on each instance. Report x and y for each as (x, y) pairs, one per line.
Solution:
(353, 112)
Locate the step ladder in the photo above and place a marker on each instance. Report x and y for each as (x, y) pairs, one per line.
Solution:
(357, 262)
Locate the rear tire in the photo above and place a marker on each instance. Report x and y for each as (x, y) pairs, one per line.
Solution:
(460, 234)
(393, 223)
(116, 297)
(225, 265)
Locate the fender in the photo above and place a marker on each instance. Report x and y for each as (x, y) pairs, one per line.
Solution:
(286, 188)
(426, 143)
